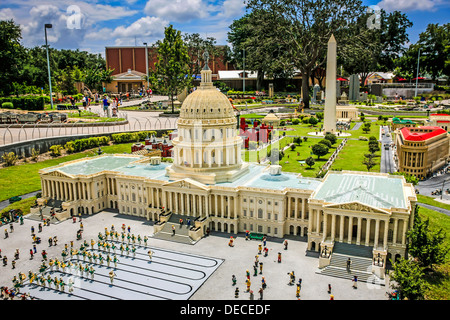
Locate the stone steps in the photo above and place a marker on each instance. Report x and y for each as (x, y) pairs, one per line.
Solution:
(361, 264)
(181, 233)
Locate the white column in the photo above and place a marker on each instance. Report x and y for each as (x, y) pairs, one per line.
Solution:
(296, 208)
(333, 227)
(341, 228)
(394, 239)
(368, 232)
(317, 221)
(325, 226)
(350, 229)
(386, 230)
(404, 231)
(289, 200)
(358, 232)
(303, 208)
(377, 230)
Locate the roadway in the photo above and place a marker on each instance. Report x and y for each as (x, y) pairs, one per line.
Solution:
(387, 164)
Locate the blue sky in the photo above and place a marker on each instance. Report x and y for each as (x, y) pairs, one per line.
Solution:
(93, 24)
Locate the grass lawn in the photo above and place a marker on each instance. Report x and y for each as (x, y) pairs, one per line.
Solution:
(438, 281)
(352, 155)
(290, 161)
(22, 179)
(24, 205)
(432, 202)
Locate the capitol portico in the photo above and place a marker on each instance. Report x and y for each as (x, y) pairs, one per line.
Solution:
(209, 183)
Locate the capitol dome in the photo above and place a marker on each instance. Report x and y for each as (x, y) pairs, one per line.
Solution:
(206, 103)
(207, 148)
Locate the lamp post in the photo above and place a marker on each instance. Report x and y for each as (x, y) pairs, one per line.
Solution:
(417, 73)
(146, 63)
(243, 74)
(48, 26)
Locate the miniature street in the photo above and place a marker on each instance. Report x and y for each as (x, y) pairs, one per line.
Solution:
(177, 271)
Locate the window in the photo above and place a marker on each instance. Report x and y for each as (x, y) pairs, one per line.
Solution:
(260, 214)
(245, 213)
(260, 229)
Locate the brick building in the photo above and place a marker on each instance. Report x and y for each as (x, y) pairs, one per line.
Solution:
(128, 64)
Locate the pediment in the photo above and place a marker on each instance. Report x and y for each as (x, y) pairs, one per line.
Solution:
(186, 183)
(59, 174)
(356, 206)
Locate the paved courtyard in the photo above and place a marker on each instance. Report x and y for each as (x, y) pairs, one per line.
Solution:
(178, 271)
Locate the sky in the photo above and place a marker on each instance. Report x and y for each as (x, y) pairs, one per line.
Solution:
(91, 25)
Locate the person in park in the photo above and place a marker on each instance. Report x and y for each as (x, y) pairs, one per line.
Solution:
(112, 275)
(230, 243)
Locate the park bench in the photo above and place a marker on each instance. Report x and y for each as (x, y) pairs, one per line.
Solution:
(257, 236)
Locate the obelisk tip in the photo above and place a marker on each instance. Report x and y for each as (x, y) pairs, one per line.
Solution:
(332, 39)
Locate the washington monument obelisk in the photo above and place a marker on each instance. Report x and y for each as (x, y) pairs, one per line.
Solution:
(330, 90)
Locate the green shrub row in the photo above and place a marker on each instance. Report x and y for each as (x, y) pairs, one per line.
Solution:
(131, 136)
(88, 143)
(24, 103)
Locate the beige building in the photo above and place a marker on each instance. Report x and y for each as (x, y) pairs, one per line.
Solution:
(440, 120)
(209, 183)
(422, 150)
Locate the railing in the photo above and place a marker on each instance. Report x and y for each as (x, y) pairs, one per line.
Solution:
(12, 133)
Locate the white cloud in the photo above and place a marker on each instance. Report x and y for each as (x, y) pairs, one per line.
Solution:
(6, 14)
(146, 27)
(177, 10)
(233, 8)
(409, 5)
(149, 28)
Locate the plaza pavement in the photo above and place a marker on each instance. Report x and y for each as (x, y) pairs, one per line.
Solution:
(236, 260)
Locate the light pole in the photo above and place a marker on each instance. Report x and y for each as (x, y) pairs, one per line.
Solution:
(243, 74)
(48, 26)
(146, 63)
(417, 73)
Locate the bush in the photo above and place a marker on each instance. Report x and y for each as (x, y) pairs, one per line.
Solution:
(34, 154)
(310, 161)
(313, 121)
(7, 105)
(295, 121)
(326, 142)
(25, 103)
(319, 150)
(55, 150)
(331, 137)
(10, 158)
(69, 146)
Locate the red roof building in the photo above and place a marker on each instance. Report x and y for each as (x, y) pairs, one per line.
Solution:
(422, 150)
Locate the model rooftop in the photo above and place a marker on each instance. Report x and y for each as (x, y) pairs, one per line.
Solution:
(380, 191)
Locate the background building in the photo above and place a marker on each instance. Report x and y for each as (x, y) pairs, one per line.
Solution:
(128, 64)
(422, 150)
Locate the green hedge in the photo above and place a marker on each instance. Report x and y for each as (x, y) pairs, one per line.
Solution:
(25, 103)
(132, 136)
(7, 105)
(88, 143)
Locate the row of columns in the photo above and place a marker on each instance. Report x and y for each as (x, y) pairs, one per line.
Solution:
(315, 226)
(297, 213)
(67, 191)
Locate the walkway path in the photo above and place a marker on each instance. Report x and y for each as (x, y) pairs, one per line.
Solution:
(137, 121)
